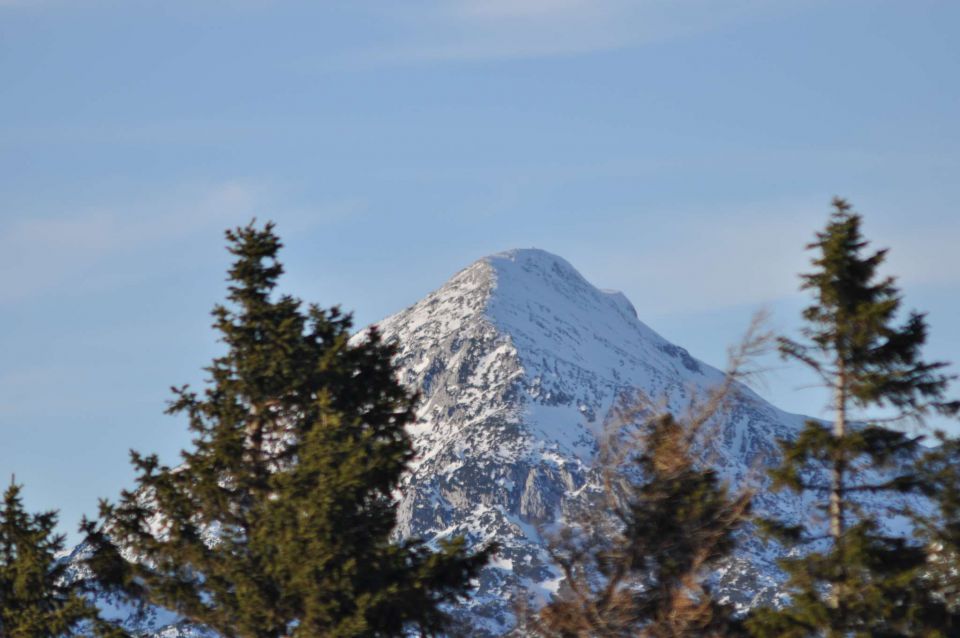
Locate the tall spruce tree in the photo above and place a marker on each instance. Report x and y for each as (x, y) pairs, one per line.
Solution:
(278, 521)
(38, 599)
(853, 578)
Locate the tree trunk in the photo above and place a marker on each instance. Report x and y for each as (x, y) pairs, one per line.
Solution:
(837, 480)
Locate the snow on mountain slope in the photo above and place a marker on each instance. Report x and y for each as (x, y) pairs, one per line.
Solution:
(518, 360)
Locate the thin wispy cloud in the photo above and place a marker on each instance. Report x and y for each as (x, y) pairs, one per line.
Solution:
(89, 4)
(422, 31)
(752, 255)
(919, 253)
(499, 9)
(97, 247)
(39, 253)
(465, 30)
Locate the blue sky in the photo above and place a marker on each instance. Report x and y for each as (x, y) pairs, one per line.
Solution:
(683, 152)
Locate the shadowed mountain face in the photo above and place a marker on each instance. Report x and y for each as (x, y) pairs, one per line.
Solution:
(519, 360)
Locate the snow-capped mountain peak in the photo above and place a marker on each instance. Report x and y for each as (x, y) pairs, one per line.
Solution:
(519, 361)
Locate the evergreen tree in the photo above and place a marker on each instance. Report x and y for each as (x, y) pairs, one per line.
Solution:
(278, 522)
(860, 580)
(37, 598)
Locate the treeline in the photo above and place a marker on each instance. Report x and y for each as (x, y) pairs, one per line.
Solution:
(277, 522)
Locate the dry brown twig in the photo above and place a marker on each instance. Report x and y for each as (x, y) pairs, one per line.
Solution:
(603, 594)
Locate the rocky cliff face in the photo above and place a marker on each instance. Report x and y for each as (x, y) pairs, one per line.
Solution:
(519, 361)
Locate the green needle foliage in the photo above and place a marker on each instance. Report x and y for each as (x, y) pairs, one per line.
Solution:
(37, 599)
(278, 522)
(858, 581)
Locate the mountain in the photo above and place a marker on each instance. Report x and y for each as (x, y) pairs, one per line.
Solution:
(519, 362)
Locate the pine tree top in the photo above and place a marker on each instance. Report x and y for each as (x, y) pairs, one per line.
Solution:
(852, 327)
(37, 598)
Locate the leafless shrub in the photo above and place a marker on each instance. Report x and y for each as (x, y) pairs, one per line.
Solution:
(636, 555)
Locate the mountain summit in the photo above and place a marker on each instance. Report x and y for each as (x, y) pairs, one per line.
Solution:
(519, 360)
